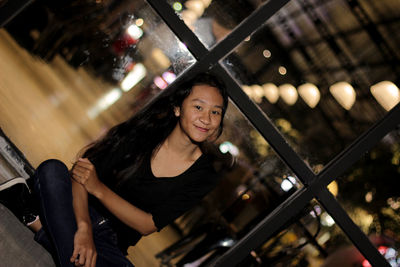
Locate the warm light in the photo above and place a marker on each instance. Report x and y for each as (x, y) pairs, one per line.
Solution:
(271, 92)
(386, 93)
(139, 22)
(288, 93)
(196, 6)
(344, 94)
(245, 196)
(206, 3)
(310, 94)
(177, 6)
(368, 197)
(258, 93)
(189, 16)
(135, 32)
(160, 58)
(247, 38)
(109, 98)
(327, 220)
(324, 238)
(366, 264)
(247, 89)
(333, 188)
(104, 102)
(267, 53)
(282, 70)
(169, 76)
(136, 75)
(160, 83)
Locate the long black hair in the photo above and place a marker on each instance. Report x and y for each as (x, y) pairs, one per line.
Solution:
(117, 155)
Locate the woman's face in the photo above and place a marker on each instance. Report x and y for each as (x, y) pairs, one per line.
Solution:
(201, 113)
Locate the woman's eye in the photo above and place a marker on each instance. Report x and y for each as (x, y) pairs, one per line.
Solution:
(216, 112)
(197, 107)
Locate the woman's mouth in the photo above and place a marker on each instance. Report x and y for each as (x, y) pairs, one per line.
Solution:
(201, 129)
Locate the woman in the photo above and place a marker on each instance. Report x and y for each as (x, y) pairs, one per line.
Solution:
(140, 177)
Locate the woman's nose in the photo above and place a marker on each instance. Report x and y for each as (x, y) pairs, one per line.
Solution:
(205, 118)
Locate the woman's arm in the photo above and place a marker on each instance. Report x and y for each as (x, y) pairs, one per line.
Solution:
(141, 221)
(80, 204)
(83, 240)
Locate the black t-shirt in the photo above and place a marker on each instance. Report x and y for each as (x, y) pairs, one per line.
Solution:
(164, 198)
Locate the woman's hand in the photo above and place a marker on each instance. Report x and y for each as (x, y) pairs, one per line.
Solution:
(84, 253)
(84, 173)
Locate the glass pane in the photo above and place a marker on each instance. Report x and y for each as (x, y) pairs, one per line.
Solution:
(312, 240)
(258, 182)
(322, 90)
(212, 20)
(72, 69)
(369, 193)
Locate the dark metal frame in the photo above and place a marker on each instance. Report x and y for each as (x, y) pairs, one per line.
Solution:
(10, 8)
(315, 186)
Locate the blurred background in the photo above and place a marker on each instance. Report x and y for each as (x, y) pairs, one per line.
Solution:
(324, 71)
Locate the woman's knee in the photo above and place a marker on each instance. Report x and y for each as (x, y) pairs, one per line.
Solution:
(50, 171)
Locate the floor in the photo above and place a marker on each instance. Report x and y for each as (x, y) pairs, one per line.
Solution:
(44, 111)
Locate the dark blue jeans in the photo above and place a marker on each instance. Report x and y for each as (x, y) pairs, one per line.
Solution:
(52, 185)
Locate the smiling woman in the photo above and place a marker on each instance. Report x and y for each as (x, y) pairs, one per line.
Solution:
(108, 189)
(200, 114)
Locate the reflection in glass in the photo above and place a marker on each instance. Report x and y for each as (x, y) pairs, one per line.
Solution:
(312, 239)
(369, 192)
(212, 20)
(84, 66)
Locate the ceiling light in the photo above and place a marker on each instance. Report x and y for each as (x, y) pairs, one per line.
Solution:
(344, 94)
(258, 93)
(309, 93)
(158, 56)
(196, 6)
(282, 70)
(136, 75)
(189, 16)
(139, 22)
(288, 93)
(135, 32)
(267, 53)
(271, 92)
(386, 93)
(248, 90)
(104, 102)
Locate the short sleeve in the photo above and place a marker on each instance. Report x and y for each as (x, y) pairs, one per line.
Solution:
(184, 199)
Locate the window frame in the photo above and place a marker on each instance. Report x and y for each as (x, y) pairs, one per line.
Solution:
(315, 186)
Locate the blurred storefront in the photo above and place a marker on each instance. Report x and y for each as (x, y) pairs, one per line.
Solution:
(313, 121)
